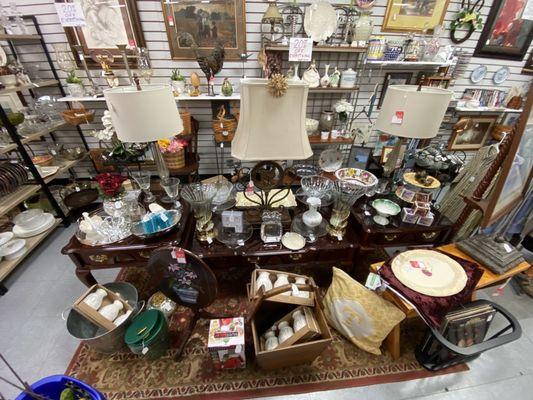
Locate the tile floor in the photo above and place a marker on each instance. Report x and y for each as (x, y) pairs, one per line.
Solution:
(33, 337)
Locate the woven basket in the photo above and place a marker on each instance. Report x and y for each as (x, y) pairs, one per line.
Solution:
(175, 161)
(187, 122)
(224, 129)
(77, 116)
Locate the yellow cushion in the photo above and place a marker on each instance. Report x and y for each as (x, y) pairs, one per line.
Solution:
(358, 313)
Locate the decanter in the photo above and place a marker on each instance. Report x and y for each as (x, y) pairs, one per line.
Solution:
(110, 312)
(94, 300)
(312, 218)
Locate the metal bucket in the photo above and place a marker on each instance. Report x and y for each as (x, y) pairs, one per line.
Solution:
(96, 337)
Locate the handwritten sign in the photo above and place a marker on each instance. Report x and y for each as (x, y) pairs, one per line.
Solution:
(300, 49)
(70, 14)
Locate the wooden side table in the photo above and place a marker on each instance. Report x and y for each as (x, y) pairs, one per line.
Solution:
(489, 278)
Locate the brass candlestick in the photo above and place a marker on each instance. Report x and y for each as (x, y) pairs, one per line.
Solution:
(105, 59)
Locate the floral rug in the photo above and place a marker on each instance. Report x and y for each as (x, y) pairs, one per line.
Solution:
(124, 375)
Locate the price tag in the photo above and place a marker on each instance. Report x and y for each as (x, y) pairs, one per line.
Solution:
(397, 118)
(507, 247)
(170, 20)
(250, 188)
(179, 255)
(70, 14)
(144, 350)
(240, 242)
(373, 281)
(300, 49)
(209, 240)
(339, 237)
(164, 217)
(53, 152)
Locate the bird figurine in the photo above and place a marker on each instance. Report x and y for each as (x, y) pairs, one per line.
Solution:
(210, 64)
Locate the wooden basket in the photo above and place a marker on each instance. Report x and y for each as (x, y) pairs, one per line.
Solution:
(187, 122)
(175, 161)
(77, 116)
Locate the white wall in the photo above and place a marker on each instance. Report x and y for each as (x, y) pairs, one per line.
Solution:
(154, 31)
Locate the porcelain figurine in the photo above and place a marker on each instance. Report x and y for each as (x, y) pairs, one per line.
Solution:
(299, 320)
(311, 76)
(325, 80)
(282, 280)
(312, 218)
(263, 280)
(302, 293)
(227, 88)
(195, 83)
(94, 300)
(335, 78)
(271, 341)
(110, 312)
(285, 331)
(122, 318)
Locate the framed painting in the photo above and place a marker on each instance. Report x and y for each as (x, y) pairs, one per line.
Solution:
(471, 133)
(107, 24)
(413, 15)
(393, 78)
(505, 35)
(514, 179)
(528, 66)
(359, 157)
(208, 23)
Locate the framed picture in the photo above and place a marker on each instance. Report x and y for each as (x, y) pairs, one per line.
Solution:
(528, 66)
(471, 133)
(393, 78)
(505, 35)
(359, 157)
(413, 15)
(10, 102)
(208, 23)
(107, 23)
(511, 119)
(516, 171)
(385, 153)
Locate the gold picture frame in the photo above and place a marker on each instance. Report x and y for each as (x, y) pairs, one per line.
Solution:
(413, 16)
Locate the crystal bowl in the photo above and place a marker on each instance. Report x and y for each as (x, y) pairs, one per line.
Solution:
(316, 186)
(198, 192)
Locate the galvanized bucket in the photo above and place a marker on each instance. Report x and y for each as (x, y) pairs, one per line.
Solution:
(96, 337)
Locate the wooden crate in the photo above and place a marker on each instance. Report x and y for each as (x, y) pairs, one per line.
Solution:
(282, 298)
(300, 353)
(93, 315)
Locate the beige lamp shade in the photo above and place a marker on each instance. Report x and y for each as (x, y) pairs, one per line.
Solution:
(409, 113)
(143, 115)
(271, 128)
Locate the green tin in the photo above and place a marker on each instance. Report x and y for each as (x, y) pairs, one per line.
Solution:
(148, 334)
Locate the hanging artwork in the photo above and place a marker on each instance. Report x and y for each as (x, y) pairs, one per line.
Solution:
(107, 23)
(469, 17)
(393, 78)
(413, 15)
(471, 133)
(209, 23)
(505, 35)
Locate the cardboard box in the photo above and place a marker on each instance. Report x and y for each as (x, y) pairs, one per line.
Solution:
(225, 343)
(93, 315)
(409, 216)
(283, 298)
(427, 220)
(422, 209)
(299, 353)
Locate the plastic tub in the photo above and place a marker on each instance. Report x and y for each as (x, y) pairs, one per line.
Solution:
(53, 385)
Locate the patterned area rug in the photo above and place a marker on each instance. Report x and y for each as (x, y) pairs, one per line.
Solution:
(124, 375)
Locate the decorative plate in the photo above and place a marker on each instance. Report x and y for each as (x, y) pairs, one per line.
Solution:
(357, 176)
(293, 241)
(409, 177)
(330, 160)
(501, 75)
(48, 222)
(320, 21)
(3, 57)
(429, 272)
(478, 74)
(45, 172)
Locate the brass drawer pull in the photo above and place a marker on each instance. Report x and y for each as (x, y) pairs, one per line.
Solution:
(144, 254)
(99, 258)
(390, 238)
(429, 235)
(252, 260)
(296, 257)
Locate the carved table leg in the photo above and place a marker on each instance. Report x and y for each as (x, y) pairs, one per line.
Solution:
(392, 342)
(86, 277)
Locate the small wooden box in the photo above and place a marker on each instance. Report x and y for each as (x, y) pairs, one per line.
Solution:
(93, 315)
(300, 353)
(303, 335)
(282, 298)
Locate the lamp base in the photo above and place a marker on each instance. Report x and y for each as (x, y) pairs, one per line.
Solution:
(162, 169)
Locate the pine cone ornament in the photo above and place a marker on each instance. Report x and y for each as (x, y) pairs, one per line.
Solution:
(277, 85)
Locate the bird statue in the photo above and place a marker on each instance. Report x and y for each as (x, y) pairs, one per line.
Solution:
(210, 64)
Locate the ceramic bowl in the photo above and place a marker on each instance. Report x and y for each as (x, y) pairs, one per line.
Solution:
(311, 126)
(13, 249)
(293, 241)
(5, 237)
(30, 219)
(330, 160)
(357, 176)
(385, 208)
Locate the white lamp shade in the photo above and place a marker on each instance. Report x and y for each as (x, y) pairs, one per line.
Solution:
(271, 128)
(143, 115)
(422, 110)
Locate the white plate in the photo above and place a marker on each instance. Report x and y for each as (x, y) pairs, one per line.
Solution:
(5, 237)
(501, 75)
(3, 57)
(293, 241)
(478, 74)
(320, 21)
(48, 222)
(330, 160)
(47, 171)
(13, 249)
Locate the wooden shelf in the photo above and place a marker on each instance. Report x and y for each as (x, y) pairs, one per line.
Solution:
(323, 49)
(419, 64)
(7, 266)
(315, 139)
(333, 90)
(33, 85)
(63, 167)
(32, 137)
(18, 196)
(5, 36)
(201, 97)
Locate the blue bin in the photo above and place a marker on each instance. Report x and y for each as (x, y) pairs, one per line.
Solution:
(53, 385)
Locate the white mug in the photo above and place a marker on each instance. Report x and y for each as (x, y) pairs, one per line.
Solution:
(324, 135)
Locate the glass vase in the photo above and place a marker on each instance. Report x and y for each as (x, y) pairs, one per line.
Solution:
(362, 29)
(200, 197)
(345, 194)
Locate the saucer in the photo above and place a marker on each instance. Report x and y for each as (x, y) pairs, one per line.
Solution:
(293, 241)
(48, 222)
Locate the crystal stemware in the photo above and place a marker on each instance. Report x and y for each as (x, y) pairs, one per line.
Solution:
(316, 186)
(143, 180)
(345, 194)
(171, 187)
(200, 197)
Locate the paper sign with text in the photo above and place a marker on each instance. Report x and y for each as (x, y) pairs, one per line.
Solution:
(70, 14)
(300, 49)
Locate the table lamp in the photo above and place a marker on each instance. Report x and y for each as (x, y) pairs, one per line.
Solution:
(271, 128)
(413, 112)
(145, 115)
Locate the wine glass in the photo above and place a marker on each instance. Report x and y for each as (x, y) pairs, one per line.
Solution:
(143, 180)
(172, 187)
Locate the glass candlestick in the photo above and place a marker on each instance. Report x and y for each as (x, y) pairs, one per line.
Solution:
(200, 197)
